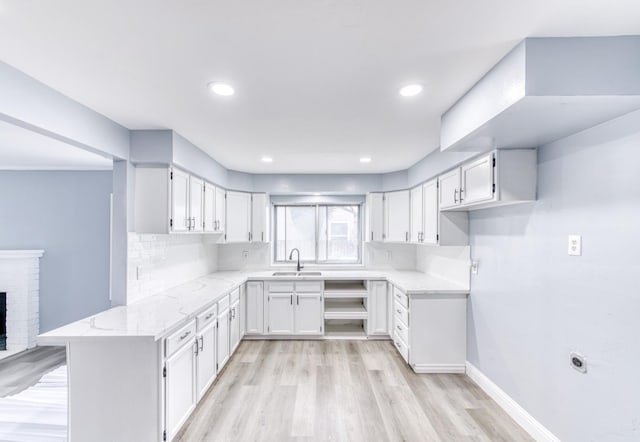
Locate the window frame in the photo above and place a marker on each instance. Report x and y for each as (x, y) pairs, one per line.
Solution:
(316, 205)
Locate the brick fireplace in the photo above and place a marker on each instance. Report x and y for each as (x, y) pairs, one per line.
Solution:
(19, 281)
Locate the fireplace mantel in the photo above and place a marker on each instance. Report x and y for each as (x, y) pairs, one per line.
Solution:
(20, 254)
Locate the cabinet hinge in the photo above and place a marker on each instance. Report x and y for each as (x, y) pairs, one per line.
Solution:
(171, 175)
(225, 236)
(164, 372)
(164, 435)
(171, 222)
(494, 161)
(493, 188)
(268, 329)
(438, 237)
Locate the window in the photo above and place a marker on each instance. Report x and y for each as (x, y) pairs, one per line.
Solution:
(324, 234)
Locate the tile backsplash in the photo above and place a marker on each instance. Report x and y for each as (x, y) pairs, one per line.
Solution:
(159, 262)
(451, 263)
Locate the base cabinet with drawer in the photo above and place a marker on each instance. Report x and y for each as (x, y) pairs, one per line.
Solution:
(429, 330)
(294, 308)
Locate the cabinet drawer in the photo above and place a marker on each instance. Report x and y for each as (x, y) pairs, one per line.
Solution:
(309, 286)
(207, 316)
(223, 304)
(402, 330)
(281, 287)
(400, 313)
(401, 346)
(177, 340)
(234, 296)
(401, 297)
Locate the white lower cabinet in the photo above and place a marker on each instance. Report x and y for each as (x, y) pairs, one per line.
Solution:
(377, 307)
(429, 331)
(222, 345)
(280, 313)
(234, 326)
(308, 314)
(180, 379)
(254, 311)
(206, 367)
(294, 308)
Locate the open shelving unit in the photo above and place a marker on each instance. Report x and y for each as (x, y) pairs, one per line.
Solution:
(345, 309)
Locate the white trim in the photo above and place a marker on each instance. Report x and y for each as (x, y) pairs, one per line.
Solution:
(20, 254)
(438, 368)
(535, 429)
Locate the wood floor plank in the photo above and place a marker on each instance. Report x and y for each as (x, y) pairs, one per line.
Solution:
(22, 370)
(342, 391)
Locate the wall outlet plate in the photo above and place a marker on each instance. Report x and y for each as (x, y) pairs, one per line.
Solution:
(474, 267)
(245, 254)
(575, 245)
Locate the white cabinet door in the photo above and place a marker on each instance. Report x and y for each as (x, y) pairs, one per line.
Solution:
(180, 392)
(375, 217)
(242, 310)
(179, 201)
(206, 361)
(477, 180)
(209, 210)
(255, 308)
(259, 217)
(397, 216)
(196, 196)
(280, 313)
(234, 326)
(238, 217)
(430, 212)
(378, 308)
(450, 189)
(308, 313)
(222, 345)
(416, 215)
(220, 202)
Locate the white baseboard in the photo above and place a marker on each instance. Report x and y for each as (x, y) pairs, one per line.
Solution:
(438, 368)
(535, 429)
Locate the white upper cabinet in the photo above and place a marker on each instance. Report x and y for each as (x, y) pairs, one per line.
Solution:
(238, 213)
(396, 210)
(375, 217)
(501, 177)
(259, 217)
(417, 227)
(180, 221)
(430, 212)
(196, 204)
(220, 212)
(477, 180)
(449, 195)
(209, 210)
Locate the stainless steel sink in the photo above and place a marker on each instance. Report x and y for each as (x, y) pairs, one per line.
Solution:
(297, 274)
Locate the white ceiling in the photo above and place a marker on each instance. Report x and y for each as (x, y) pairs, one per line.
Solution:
(316, 81)
(23, 149)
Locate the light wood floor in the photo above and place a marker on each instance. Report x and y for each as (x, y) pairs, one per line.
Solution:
(341, 391)
(22, 370)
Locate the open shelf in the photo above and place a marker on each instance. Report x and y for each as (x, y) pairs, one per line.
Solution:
(344, 330)
(347, 309)
(345, 289)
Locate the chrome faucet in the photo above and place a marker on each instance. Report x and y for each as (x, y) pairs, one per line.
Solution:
(299, 267)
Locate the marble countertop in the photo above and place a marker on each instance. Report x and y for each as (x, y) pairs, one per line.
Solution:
(153, 317)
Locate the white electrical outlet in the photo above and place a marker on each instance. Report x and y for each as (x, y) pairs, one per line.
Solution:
(575, 245)
(474, 267)
(245, 254)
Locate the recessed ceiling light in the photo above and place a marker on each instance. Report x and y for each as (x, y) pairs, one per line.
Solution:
(411, 90)
(221, 89)
(365, 159)
(267, 160)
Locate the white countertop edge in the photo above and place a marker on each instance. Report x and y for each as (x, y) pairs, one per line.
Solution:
(20, 254)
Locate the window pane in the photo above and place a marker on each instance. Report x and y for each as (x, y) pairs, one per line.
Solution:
(296, 228)
(340, 234)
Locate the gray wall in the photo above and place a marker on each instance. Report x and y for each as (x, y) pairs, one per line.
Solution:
(67, 215)
(531, 304)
